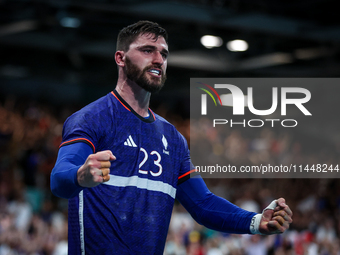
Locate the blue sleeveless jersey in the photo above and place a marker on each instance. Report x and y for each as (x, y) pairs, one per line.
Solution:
(130, 214)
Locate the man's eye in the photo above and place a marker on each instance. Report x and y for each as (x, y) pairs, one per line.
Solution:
(147, 51)
(165, 56)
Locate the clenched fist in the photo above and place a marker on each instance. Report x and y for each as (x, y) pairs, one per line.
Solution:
(96, 169)
(276, 220)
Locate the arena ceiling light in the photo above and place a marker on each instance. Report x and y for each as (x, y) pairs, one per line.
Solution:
(211, 41)
(237, 45)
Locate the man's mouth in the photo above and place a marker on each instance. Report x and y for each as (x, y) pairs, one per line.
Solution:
(155, 72)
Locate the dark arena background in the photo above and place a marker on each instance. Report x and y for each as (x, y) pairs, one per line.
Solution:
(56, 56)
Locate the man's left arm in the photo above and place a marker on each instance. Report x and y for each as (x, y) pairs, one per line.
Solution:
(219, 214)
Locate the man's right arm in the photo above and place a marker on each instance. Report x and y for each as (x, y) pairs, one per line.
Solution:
(64, 181)
(77, 167)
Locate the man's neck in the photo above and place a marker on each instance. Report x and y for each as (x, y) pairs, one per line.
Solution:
(135, 96)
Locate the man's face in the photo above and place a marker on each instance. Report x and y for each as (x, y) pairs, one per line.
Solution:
(146, 62)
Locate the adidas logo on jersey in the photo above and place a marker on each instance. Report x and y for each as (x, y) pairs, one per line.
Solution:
(129, 142)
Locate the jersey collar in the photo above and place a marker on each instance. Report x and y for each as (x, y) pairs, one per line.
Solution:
(149, 119)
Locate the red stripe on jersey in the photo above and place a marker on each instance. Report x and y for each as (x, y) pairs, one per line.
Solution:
(152, 114)
(120, 101)
(191, 171)
(79, 139)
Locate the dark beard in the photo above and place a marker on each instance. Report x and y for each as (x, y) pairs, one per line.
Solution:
(138, 76)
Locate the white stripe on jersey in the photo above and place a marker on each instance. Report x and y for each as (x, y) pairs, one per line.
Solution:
(141, 183)
(81, 222)
(132, 142)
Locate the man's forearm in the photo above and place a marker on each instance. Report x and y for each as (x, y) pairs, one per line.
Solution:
(212, 211)
(64, 174)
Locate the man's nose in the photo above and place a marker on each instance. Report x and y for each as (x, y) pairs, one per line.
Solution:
(158, 58)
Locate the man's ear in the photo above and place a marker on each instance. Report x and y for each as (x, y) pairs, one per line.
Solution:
(120, 58)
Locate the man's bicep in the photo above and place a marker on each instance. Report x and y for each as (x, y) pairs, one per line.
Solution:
(192, 191)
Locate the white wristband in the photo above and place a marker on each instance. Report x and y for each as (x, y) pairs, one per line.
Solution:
(255, 224)
(255, 221)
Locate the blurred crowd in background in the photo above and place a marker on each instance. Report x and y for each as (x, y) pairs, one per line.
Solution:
(34, 222)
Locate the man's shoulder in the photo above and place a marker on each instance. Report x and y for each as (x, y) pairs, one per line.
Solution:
(105, 103)
(170, 128)
(160, 118)
(92, 113)
(165, 123)
(91, 122)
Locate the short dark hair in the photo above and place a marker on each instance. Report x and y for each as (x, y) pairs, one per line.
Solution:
(130, 33)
